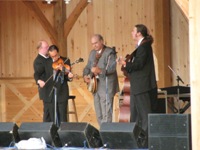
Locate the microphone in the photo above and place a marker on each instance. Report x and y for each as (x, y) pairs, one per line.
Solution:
(179, 78)
(114, 51)
(56, 75)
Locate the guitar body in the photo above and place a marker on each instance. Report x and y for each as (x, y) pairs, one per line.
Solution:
(92, 85)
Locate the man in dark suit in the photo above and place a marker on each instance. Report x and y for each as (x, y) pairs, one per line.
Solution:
(141, 73)
(40, 75)
(60, 68)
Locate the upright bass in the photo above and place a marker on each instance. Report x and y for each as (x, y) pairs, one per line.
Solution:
(124, 100)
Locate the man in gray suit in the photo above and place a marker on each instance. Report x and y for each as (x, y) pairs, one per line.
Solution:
(101, 67)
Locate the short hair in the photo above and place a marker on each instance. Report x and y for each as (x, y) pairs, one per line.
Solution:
(53, 47)
(39, 44)
(99, 36)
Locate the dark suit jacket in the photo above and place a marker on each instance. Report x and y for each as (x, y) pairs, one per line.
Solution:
(141, 69)
(61, 83)
(40, 73)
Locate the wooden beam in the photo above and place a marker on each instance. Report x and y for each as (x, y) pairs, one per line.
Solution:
(194, 38)
(163, 45)
(42, 19)
(59, 19)
(2, 103)
(74, 16)
(22, 98)
(184, 6)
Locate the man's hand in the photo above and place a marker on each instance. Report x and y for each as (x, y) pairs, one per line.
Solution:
(41, 83)
(96, 70)
(70, 75)
(121, 61)
(86, 79)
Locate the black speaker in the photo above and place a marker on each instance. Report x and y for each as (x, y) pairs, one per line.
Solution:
(169, 131)
(122, 136)
(79, 135)
(8, 134)
(47, 130)
(160, 106)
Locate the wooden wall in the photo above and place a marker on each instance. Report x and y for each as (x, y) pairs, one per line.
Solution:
(20, 33)
(20, 102)
(114, 19)
(180, 44)
(194, 38)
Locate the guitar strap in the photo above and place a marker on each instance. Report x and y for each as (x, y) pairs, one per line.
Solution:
(130, 58)
(92, 86)
(98, 56)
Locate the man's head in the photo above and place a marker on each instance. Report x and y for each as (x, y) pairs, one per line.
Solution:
(97, 42)
(139, 31)
(43, 47)
(54, 52)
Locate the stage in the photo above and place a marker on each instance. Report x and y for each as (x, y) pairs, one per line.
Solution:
(69, 148)
(165, 132)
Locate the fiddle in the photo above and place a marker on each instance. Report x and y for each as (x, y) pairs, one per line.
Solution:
(59, 64)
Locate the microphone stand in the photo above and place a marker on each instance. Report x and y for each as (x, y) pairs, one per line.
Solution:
(54, 88)
(107, 89)
(178, 79)
(114, 52)
(55, 107)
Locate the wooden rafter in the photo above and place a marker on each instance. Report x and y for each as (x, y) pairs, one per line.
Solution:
(74, 16)
(184, 6)
(70, 21)
(42, 19)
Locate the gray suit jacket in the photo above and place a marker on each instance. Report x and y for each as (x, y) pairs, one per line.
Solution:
(107, 63)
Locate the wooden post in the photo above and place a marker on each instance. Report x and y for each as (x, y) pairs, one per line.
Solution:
(162, 41)
(59, 19)
(194, 38)
(2, 103)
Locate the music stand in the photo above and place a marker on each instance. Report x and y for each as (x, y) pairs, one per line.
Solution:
(178, 79)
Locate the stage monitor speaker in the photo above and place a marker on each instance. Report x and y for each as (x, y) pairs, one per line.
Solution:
(47, 130)
(160, 106)
(8, 134)
(123, 136)
(79, 135)
(169, 131)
